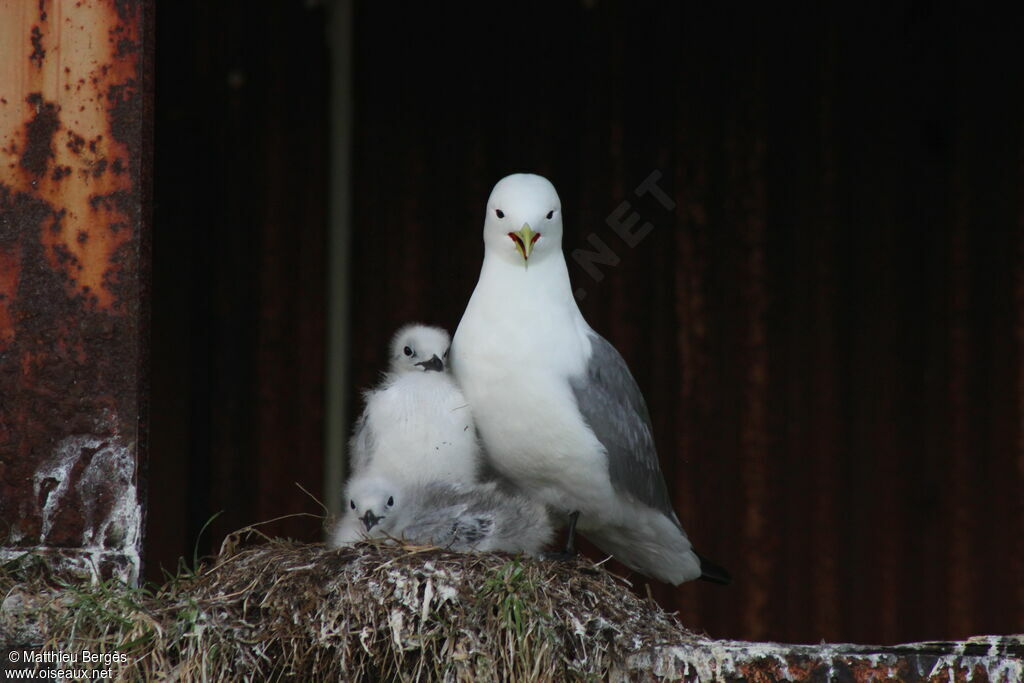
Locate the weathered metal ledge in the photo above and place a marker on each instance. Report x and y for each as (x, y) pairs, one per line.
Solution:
(982, 658)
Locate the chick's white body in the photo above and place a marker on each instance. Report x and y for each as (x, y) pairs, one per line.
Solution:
(417, 425)
(422, 429)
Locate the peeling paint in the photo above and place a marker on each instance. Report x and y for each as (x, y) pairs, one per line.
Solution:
(112, 522)
(51, 482)
(100, 476)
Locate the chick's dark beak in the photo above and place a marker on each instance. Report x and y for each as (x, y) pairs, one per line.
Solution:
(370, 520)
(434, 363)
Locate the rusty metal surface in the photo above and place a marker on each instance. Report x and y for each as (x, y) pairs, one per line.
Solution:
(74, 150)
(985, 658)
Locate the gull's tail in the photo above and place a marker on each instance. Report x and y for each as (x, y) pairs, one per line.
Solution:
(713, 572)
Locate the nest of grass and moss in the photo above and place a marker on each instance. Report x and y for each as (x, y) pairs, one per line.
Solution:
(282, 609)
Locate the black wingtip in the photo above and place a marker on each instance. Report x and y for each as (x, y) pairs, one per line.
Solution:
(713, 572)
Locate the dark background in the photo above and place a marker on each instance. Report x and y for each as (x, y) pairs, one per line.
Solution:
(828, 326)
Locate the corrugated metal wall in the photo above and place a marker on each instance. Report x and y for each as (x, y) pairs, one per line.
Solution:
(827, 324)
(238, 272)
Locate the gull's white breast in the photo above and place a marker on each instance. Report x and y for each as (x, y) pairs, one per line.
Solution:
(513, 355)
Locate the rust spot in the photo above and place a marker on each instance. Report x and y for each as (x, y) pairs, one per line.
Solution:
(94, 143)
(117, 167)
(14, 209)
(99, 168)
(83, 237)
(60, 172)
(65, 258)
(125, 103)
(126, 47)
(55, 220)
(9, 268)
(38, 53)
(39, 135)
(76, 143)
(126, 10)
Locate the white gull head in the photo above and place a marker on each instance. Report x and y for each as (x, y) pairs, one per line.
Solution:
(523, 224)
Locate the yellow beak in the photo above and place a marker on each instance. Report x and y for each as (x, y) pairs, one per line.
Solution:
(524, 240)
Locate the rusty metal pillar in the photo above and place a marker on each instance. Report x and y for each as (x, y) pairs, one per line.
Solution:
(75, 170)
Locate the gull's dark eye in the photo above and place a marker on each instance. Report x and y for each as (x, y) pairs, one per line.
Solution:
(551, 214)
(446, 352)
(391, 501)
(407, 351)
(352, 504)
(499, 213)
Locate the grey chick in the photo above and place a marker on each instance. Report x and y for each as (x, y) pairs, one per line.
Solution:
(460, 517)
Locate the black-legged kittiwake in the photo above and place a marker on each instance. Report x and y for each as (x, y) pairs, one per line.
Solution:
(460, 517)
(558, 412)
(417, 424)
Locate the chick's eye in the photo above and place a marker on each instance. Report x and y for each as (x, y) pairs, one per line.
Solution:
(551, 214)
(391, 501)
(499, 213)
(407, 351)
(352, 504)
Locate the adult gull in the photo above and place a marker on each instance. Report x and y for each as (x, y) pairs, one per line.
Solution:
(557, 410)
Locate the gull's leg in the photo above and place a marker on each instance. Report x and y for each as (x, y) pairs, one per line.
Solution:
(570, 549)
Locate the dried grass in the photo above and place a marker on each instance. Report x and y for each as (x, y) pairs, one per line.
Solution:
(283, 609)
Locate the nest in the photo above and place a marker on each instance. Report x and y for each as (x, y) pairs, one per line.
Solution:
(373, 611)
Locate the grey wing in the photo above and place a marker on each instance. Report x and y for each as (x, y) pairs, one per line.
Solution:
(446, 527)
(521, 525)
(613, 407)
(427, 515)
(468, 531)
(360, 445)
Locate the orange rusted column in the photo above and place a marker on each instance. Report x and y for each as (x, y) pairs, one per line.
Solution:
(75, 149)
